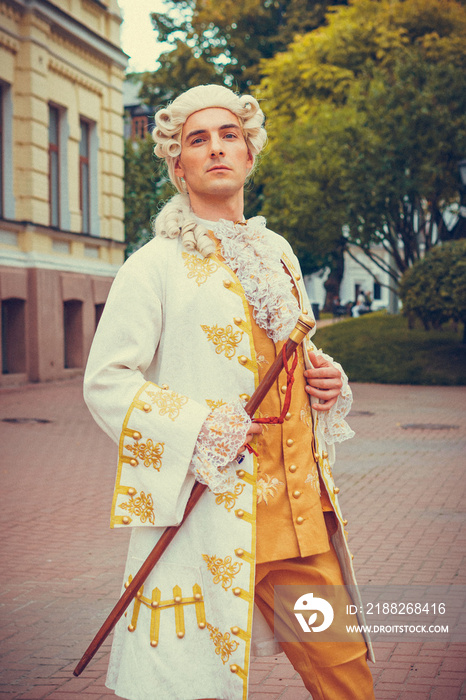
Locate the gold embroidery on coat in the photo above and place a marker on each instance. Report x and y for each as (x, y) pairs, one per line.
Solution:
(199, 268)
(225, 339)
(155, 606)
(168, 402)
(151, 454)
(224, 647)
(214, 404)
(261, 360)
(228, 497)
(223, 570)
(142, 507)
(306, 415)
(313, 478)
(267, 486)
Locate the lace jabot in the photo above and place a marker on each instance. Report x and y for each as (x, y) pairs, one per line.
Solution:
(252, 253)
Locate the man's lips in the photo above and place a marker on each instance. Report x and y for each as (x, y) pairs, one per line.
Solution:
(218, 167)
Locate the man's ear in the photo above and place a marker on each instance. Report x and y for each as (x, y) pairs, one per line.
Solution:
(250, 161)
(179, 172)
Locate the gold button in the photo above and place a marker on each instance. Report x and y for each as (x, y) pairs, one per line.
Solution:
(125, 520)
(336, 489)
(305, 312)
(242, 359)
(236, 591)
(153, 643)
(352, 556)
(146, 408)
(234, 668)
(177, 599)
(244, 397)
(238, 320)
(126, 584)
(139, 595)
(198, 596)
(131, 628)
(165, 387)
(240, 513)
(241, 473)
(290, 442)
(154, 604)
(296, 494)
(201, 625)
(132, 491)
(300, 520)
(133, 462)
(345, 522)
(316, 456)
(136, 435)
(239, 552)
(298, 277)
(288, 416)
(283, 389)
(324, 455)
(292, 468)
(235, 630)
(180, 635)
(227, 283)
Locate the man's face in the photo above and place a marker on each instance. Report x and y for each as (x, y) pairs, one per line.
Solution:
(214, 159)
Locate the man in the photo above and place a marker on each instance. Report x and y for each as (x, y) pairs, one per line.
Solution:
(190, 327)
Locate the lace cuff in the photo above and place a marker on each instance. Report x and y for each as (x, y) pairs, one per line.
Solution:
(222, 434)
(332, 422)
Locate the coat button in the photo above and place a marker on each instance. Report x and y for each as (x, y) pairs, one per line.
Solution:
(299, 520)
(316, 456)
(197, 596)
(146, 408)
(180, 635)
(132, 491)
(240, 513)
(296, 494)
(241, 473)
(133, 462)
(239, 552)
(238, 320)
(292, 468)
(237, 591)
(177, 599)
(244, 397)
(297, 278)
(345, 522)
(288, 416)
(336, 489)
(290, 442)
(131, 628)
(125, 520)
(324, 455)
(227, 283)
(305, 312)
(242, 359)
(283, 389)
(136, 435)
(201, 625)
(153, 643)
(234, 668)
(235, 630)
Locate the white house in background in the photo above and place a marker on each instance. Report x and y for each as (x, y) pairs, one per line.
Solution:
(355, 279)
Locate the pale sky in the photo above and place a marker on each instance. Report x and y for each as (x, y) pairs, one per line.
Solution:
(138, 39)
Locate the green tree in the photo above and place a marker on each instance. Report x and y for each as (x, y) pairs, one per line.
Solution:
(223, 41)
(367, 123)
(146, 188)
(434, 288)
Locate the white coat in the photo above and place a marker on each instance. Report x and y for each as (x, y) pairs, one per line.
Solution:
(174, 339)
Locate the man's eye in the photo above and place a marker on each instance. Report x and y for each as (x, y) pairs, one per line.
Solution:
(230, 136)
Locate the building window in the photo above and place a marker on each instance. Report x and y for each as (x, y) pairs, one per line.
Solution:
(140, 125)
(377, 291)
(7, 200)
(54, 165)
(73, 333)
(13, 336)
(84, 177)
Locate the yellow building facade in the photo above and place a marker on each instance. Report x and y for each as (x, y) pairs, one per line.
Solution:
(61, 180)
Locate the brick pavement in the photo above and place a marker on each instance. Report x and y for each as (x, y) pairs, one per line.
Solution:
(401, 490)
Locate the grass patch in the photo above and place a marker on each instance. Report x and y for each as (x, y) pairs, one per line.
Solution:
(381, 348)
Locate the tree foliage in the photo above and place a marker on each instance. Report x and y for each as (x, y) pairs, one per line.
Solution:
(223, 41)
(434, 289)
(367, 123)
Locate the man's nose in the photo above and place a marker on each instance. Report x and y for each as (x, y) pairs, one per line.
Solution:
(216, 146)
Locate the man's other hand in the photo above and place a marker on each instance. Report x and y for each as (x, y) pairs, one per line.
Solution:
(323, 381)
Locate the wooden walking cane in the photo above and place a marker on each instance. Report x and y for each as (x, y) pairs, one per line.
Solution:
(302, 328)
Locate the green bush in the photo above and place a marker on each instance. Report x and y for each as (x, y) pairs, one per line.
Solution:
(379, 347)
(434, 289)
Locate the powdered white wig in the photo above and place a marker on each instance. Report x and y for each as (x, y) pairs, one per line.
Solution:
(176, 218)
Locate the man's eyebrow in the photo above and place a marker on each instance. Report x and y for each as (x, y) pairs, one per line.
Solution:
(196, 132)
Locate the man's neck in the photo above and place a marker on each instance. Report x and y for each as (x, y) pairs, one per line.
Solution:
(213, 209)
